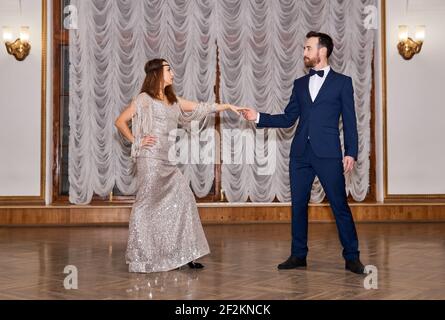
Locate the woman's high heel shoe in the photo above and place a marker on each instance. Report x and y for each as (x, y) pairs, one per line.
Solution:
(195, 265)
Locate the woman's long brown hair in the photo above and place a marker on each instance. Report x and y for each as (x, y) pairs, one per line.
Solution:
(153, 82)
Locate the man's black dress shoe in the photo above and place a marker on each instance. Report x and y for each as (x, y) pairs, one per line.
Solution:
(195, 265)
(355, 266)
(292, 263)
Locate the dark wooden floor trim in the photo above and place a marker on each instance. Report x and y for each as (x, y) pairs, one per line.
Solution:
(218, 213)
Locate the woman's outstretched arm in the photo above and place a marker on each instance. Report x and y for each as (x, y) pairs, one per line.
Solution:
(190, 106)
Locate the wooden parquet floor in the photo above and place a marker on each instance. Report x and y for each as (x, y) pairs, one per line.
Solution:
(410, 259)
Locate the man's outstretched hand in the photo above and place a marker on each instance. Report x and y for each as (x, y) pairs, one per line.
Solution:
(249, 114)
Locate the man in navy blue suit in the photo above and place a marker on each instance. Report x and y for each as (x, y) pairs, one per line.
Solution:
(318, 100)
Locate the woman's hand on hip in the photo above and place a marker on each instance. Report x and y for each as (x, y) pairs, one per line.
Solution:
(149, 141)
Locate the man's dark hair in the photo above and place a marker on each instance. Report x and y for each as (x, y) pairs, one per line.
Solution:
(324, 41)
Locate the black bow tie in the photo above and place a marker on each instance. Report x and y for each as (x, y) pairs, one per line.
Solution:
(319, 73)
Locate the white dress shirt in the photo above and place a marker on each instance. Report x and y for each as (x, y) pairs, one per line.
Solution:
(315, 84)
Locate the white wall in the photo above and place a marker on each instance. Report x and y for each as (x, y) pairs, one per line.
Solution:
(415, 101)
(20, 104)
(49, 104)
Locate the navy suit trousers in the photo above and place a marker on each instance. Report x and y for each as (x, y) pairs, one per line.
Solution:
(330, 173)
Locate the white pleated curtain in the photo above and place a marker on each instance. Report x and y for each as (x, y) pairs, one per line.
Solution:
(260, 54)
(108, 52)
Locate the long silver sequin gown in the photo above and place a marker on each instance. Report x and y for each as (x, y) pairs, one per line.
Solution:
(165, 230)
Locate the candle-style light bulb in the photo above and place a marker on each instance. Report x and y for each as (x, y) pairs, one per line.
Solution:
(420, 34)
(403, 33)
(24, 34)
(7, 34)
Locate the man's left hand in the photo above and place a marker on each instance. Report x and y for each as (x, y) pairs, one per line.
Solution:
(348, 164)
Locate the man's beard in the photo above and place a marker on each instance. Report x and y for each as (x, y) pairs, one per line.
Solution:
(310, 63)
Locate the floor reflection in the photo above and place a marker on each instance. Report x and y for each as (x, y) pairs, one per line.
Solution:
(157, 285)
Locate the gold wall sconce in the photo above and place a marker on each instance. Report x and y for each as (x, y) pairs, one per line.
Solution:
(20, 48)
(407, 46)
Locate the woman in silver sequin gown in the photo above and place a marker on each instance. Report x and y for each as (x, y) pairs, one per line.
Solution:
(165, 230)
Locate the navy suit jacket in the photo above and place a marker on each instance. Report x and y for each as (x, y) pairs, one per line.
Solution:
(319, 120)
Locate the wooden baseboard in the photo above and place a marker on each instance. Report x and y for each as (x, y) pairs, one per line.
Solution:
(218, 213)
